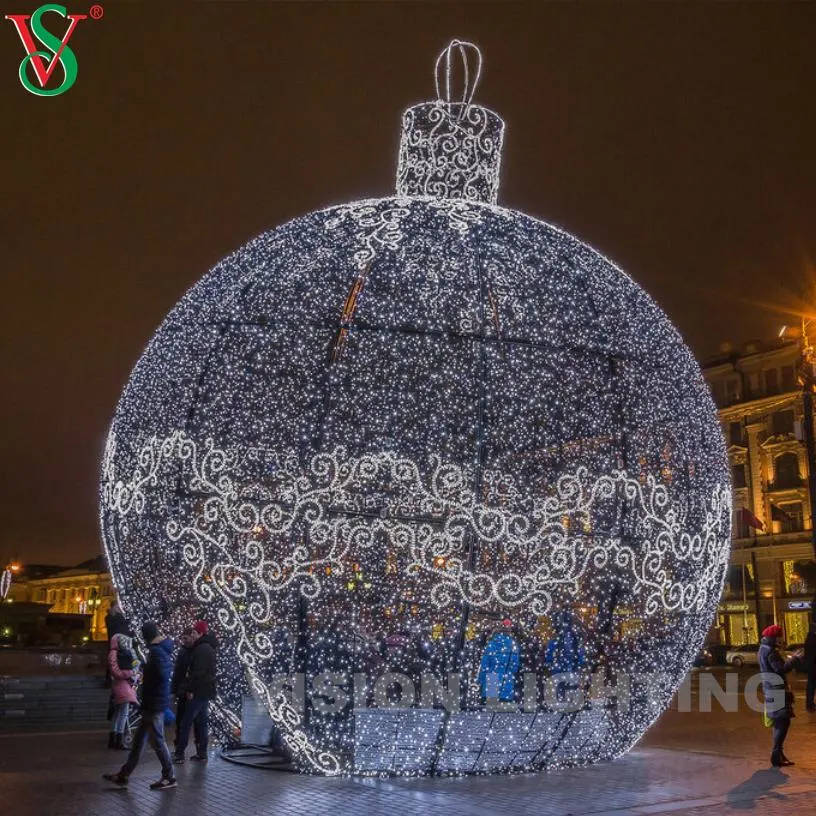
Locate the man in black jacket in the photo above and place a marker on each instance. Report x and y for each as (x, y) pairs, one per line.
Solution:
(155, 701)
(181, 671)
(198, 689)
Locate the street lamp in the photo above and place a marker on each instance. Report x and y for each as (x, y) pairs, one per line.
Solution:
(94, 602)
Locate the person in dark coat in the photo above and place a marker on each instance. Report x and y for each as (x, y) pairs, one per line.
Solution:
(116, 622)
(809, 664)
(199, 689)
(564, 653)
(181, 671)
(155, 700)
(565, 657)
(778, 697)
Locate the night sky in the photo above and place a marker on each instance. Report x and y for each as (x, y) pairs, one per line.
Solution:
(676, 138)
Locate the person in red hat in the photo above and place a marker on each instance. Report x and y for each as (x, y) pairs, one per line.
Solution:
(778, 696)
(198, 689)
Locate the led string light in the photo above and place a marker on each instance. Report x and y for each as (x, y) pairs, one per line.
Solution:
(379, 436)
(428, 523)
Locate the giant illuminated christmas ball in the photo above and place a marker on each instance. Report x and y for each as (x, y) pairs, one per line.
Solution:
(431, 438)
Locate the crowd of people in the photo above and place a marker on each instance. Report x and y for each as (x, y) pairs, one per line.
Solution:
(168, 689)
(164, 690)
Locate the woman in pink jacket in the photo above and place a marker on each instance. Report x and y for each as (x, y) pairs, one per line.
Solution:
(122, 686)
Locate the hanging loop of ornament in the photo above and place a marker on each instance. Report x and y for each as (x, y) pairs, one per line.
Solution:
(468, 89)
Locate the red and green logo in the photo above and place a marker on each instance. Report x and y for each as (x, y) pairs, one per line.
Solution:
(43, 62)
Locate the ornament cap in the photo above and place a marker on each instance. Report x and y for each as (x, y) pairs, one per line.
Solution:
(451, 149)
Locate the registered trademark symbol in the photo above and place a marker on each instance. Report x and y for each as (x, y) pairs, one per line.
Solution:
(96, 12)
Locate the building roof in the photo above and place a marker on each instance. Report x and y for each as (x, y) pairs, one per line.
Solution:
(94, 565)
(30, 572)
(754, 348)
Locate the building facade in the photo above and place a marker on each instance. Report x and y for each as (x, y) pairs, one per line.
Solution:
(772, 576)
(85, 589)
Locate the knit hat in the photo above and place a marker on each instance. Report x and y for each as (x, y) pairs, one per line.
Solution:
(201, 627)
(149, 631)
(772, 632)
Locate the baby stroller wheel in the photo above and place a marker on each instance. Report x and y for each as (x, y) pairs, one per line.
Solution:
(133, 720)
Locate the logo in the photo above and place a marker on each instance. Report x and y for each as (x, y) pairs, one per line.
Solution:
(44, 62)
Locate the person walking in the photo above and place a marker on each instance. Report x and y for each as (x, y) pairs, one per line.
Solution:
(199, 689)
(155, 700)
(778, 697)
(121, 660)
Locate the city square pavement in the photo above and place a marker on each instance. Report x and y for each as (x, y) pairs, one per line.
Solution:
(689, 763)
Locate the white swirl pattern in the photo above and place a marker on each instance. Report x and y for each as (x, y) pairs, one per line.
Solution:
(444, 513)
(451, 152)
(376, 228)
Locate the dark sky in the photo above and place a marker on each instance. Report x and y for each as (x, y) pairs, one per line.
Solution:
(677, 138)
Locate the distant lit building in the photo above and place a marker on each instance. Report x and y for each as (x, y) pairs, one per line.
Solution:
(772, 577)
(85, 589)
(20, 589)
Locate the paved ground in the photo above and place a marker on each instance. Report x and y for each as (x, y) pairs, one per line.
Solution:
(689, 765)
(60, 775)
